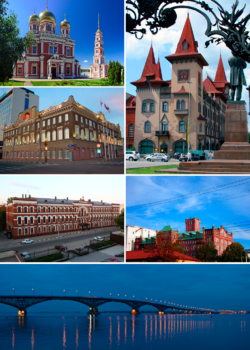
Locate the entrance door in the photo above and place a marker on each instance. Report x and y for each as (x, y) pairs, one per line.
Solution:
(53, 69)
(146, 147)
(164, 148)
(179, 147)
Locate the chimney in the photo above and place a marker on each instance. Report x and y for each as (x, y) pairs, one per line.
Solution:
(101, 201)
(67, 198)
(29, 196)
(25, 196)
(55, 198)
(22, 196)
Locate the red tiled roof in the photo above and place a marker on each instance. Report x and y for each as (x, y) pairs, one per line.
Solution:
(220, 76)
(200, 117)
(143, 255)
(181, 91)
(209, 86)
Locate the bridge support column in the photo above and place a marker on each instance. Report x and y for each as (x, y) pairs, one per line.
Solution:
(22, 312)
(93, 311)
(135, 312)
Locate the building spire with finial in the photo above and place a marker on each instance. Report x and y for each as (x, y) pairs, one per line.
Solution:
(34, 10)
(65, 16)
(98, 22)
(46, 4)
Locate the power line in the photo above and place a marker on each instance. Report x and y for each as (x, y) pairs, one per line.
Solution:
(209, 190)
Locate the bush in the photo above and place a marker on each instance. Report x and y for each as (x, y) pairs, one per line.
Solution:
(50, 258)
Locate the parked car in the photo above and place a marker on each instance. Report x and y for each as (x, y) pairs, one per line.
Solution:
(100, 238)
(163, 157)
(60, 247)
(26, 241)
(131, 155)
(148, 155)
(25, 255)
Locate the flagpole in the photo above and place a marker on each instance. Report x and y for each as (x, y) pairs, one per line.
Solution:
(113, 135)
(108, 140)
(103, 130)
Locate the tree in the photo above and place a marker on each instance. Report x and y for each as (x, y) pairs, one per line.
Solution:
(206, 252)
(10, 200)
(2, 217)
(122, 79)
(164, 250)
(110, 74)
(12, 45)
(120, 220)
(234, 253)
(118, 73)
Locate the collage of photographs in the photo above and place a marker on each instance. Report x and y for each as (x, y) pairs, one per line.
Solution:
(124, 174)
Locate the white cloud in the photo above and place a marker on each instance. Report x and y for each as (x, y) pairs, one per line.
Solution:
(85, 61)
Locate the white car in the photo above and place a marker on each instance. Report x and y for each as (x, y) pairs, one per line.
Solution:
(25, 255)
(148, 155)
(158, 156)
(138, 155)
(99, 238)
(28, 241)
(131, 155)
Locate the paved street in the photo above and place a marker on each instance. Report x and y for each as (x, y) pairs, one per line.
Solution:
(73, 240)
(91, 166)
(142, 163)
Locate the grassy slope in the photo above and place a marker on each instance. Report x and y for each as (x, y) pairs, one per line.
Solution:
(13, 83)
(150, 170)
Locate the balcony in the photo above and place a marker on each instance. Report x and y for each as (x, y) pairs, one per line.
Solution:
(162, 133)
(181, 111)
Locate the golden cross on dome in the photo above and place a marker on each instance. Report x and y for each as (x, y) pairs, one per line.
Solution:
(46, 4)
(65, 16)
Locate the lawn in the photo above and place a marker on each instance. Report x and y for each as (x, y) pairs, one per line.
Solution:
(50, 258)
(87, 82)
(150, 170)
(102, 244)
(13, 83)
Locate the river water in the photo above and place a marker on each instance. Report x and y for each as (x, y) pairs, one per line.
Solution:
(53, 331)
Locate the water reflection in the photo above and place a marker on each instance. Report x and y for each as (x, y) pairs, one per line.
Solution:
(110, 332)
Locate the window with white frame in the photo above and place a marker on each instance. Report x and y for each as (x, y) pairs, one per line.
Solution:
(66, 133)
(66, 117)
(77, 132)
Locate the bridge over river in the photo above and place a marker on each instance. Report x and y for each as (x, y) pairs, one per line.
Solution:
(23, 302)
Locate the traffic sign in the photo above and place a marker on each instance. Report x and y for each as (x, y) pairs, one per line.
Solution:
(75, 145)
(70, 145)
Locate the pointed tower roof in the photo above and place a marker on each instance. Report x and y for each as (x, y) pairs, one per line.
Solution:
(151, 74)
(187, 46)
(220, 81)
(187, 37)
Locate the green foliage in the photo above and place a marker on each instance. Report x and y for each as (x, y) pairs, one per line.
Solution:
(119, 220)
(122, 75)
(10, 200)
(234, 253)
(150, 170)
(12, 45)
(2, 217)
(51, 258)
(206, 253)
(115, 73)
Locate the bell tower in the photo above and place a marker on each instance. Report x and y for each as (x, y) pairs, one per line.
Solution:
(193, 224)
(99, 57)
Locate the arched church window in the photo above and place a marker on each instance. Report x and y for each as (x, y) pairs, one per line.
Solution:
(178, 104)
(152, 107)
(183, 104)
(147, 127)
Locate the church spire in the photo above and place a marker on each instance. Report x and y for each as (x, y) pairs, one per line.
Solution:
(98, 22)
(187, 41)
(46, 4)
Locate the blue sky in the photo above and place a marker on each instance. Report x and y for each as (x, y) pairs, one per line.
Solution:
(87, 97)
(106, 188)
(165, 43)
(205, 286)
(232, 213)
(83, 17)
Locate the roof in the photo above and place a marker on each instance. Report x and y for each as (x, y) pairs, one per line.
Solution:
(151, 70)
(220, 76)
(200, 117)
(192, 45)
(209, 86)
(148, 240)
(181, 91)
(63, 201)
(143, 255)
(190, 235)
(167, 228)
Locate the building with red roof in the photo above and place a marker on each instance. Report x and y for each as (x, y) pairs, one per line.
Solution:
(162, 106)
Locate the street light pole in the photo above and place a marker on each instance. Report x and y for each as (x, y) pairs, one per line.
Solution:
(188, 133)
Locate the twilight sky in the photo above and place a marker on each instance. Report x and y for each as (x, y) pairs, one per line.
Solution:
(107, 188)
(87, 97)
(223, 200)
(166, 40)
(83, 18)
(220, 287)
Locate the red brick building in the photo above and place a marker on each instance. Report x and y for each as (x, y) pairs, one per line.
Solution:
(193, 237)
(130, 120)
(29, 216)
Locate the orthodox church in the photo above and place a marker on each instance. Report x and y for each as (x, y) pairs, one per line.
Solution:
(99, 68)
(52, 56)
(162, 106)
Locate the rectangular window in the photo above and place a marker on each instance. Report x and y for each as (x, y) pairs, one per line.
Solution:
(77, 132)
(82, 120)
(66, 117)
(76, 117)
(48, 122)
(55, 49)
(66, 154)
(53, 154)
(164, 106)
(34, 49)
(42, 153)
(67, 70)
(31, 154)
(43, 122)
(34, 70)
(60, 153)
(144, 107)
(54, 120)
(51, 49)
(37, 154)
(60, 119)
(48, 153)
(90, 123)
(68, 52)
(19, 70)
(152, 107)
(22, 154)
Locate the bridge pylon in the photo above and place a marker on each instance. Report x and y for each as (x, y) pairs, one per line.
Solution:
(22, 312)
(135, 311)
(93, 311)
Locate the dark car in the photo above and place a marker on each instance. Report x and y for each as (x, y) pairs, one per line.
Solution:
(60, 247)
(177, 155)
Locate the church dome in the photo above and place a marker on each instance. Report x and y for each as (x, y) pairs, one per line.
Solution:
(47, 15)
(34, 18)
(65, 23)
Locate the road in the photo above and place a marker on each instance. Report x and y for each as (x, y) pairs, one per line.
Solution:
(142, 163)
(90, 166)
(48, 242)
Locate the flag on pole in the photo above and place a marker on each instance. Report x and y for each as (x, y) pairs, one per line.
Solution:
(101, 103)
(107, 108)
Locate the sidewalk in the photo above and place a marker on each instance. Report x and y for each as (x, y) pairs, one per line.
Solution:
(52, 162)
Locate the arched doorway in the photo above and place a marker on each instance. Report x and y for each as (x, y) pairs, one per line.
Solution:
(164, 147)
(181, 147)
(146, 147)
